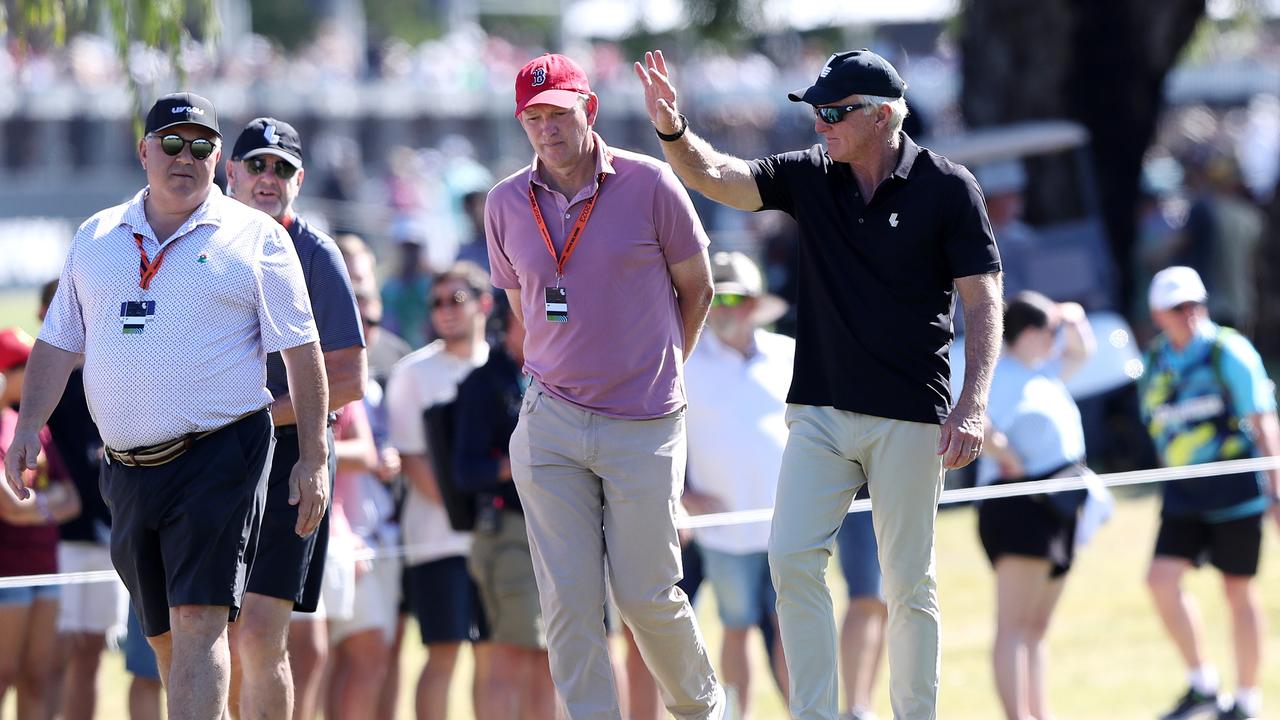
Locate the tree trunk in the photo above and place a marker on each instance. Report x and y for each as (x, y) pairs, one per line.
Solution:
(1100, 62)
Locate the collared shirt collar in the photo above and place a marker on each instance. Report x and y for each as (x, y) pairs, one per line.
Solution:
(208, 212)
(604, 164)
(907, 153)
(719, 347)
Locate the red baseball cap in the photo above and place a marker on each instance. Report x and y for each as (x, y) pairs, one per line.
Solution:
(550, 80)
(15, 348)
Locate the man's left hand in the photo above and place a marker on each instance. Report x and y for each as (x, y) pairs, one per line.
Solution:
(309, 490)
(961, 440)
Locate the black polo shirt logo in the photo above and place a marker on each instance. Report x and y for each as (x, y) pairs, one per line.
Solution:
(893, 219)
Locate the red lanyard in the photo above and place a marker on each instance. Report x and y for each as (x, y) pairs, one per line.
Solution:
(574, 235)
(147, 269)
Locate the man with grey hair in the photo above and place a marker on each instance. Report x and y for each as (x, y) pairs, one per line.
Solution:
(890, 233)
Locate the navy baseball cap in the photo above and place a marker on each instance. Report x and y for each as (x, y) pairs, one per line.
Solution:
(266, 135)
(181, 108)
(856, 72)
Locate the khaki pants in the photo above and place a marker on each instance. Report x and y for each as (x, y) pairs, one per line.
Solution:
(830, 454)
(597, 489)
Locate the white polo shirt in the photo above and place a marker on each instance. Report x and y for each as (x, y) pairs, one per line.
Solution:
(423, 378)
(737, 429)
(229, 290)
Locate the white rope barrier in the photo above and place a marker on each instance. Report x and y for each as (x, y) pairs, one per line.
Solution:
(744, 517)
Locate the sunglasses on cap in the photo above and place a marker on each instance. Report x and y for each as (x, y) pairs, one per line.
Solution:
(832, 114)
(258, 165)
(458, 298)
(728, 300)
(172, 145)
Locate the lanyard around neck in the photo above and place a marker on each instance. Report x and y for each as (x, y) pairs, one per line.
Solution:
(574, 235)
(147, 269)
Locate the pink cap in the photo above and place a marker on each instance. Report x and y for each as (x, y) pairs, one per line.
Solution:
(550, 80)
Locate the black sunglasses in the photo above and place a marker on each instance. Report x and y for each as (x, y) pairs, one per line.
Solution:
(172, 145)
(258, 165)
(831, 114)
(458, 298)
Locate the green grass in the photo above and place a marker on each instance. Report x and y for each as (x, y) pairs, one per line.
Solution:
(1109, 658)
(18, 307)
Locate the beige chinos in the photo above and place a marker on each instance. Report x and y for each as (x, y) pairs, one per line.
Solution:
(593, 486)
(829, 455)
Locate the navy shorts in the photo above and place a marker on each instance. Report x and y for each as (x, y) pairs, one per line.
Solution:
(857, 553)
(1232, 546)
(445, 601)
(289, 567)
(185, 533)
(139, 658)
(1026, 527)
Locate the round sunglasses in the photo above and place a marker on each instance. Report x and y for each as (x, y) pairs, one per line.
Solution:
(832, 114)
(258, 165)
(172, 145)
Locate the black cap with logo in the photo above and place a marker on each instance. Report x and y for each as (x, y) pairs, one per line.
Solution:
(267, 135)
(856, 72)
(181, 108)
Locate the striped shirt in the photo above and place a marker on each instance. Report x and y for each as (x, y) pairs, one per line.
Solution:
(229, 291)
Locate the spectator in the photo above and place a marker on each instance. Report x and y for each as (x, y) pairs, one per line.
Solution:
(438, 588)
(1205, 396)
(140, 662)
(405, 294)
(384, 350)
(610, 317)
(265, 172)
(485, 415)
(360, 643)
(29, 546)
(1034, 433)
(737, 382)
(473, 247)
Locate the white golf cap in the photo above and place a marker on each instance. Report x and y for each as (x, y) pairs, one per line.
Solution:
(1175, 285)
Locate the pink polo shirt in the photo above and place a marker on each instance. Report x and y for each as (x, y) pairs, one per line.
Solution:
(620, 354)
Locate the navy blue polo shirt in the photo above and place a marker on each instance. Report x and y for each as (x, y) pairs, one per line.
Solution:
(876, 289)
(332, 301)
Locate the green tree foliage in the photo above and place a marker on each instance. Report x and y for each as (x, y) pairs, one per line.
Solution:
(159, 23)
(289, 22)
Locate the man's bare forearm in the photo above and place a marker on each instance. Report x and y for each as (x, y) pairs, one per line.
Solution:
(723, 178)
(47, 371)
(983, 327)
(309, 392)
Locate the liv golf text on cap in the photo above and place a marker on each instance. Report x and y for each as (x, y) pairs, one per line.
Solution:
(857, 72)
(269, 136)
(183, 108)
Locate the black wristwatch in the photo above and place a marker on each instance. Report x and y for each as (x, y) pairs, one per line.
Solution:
(684, 125)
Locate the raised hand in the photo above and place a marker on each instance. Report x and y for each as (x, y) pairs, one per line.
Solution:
(659, 93)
